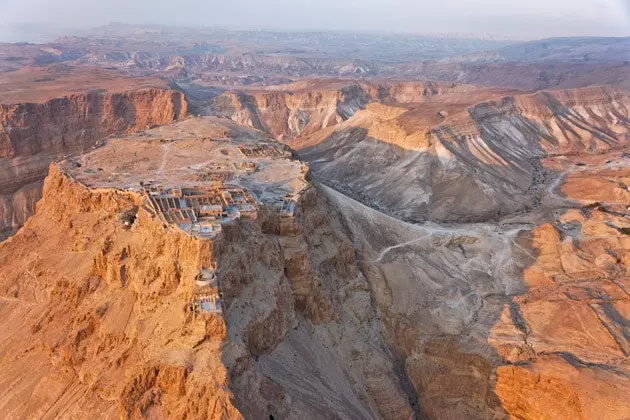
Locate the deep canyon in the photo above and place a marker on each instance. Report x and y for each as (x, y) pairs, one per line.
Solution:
(190, 235)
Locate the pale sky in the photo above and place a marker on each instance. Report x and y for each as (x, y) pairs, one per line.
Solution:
(513, 18)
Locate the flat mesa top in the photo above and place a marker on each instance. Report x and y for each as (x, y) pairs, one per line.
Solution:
(40, 84)
(196, 152)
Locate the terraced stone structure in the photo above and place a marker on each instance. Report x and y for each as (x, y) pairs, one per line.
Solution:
(201, 211)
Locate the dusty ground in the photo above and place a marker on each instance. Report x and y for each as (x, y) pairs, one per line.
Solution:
(547, 306)
(536, 289)
(293, 298)
(48, 113)
(177, 155)
(377, 317)
(39, 84)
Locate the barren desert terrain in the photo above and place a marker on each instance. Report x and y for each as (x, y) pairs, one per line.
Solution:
(215, 225)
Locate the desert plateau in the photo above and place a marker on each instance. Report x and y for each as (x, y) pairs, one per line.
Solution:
(225, 223)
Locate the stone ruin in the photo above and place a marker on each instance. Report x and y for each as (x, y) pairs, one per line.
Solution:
(207, 297)
(200, 211)
(262, 150)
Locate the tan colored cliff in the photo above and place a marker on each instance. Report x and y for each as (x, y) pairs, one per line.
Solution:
(454, 158)
(35, 133)
(340, 311)
(98, 315)
(496, 321)
(303, 108)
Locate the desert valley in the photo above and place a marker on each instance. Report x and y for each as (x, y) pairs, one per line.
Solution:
(205, 223)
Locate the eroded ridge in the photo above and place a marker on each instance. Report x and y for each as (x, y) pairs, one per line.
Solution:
(130, 314)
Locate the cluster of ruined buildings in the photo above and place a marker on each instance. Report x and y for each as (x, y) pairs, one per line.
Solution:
(264, 150)
(200, 211)
(224, 171)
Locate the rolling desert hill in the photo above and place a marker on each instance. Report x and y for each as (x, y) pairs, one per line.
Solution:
(430, 151)
(211, 58)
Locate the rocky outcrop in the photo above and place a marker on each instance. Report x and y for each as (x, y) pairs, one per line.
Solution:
(235, 64)
(504, 320)
(567, 353)
(98, 313)
(284, 115)
(34, 134)
(332, 345)
(329, 308)
(110, 332)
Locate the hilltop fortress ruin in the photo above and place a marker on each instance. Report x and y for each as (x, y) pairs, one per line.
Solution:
(191, 178)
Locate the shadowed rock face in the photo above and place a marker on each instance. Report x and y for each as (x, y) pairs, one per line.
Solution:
(103, 317)
(479, 313)
(38, 132)
(291, 112)
(506, 318)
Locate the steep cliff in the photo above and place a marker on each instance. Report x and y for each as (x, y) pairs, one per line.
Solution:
(526, 318)
(329, 308)
(107, 330)
(301, 322)
(99, 310)
(296, 110)
(36, 133)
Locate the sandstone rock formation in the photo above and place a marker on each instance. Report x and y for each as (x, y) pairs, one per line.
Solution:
(479, 314)
(296, 110)
(451, 160)
(50, 113)
(376, 317)
(441, 250)
(108, 326)
(494, 321)
(298, 316)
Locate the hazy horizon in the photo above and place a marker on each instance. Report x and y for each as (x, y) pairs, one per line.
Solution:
(535, 19)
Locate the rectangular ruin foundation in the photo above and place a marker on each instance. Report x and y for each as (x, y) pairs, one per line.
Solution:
(200, 211)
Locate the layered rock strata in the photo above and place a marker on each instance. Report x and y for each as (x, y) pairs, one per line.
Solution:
(459, 161)
(36, 133)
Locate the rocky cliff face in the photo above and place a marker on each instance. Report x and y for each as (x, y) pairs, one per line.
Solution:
(284, 114)
(110, 334)
(297, 110)
(34, 134)
(339, 310)
(300, 321)
(498, 320)
(98, 313)
(262, 65)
